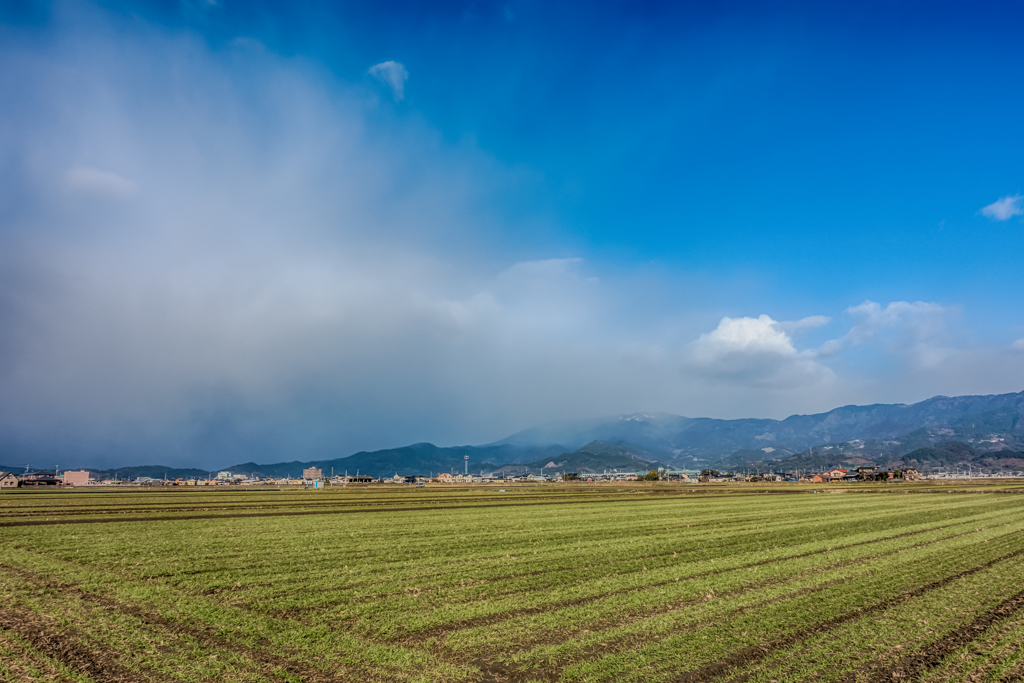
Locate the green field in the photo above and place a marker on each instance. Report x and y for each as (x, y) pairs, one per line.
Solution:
(547, 583)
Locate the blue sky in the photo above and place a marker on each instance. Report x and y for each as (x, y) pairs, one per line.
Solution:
(302, 229)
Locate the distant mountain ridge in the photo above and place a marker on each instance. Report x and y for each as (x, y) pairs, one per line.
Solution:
(878, 433)
(958, 456)
(890, 429)
(420, 458)
(596, 456)
(865, 434)
(943, 456)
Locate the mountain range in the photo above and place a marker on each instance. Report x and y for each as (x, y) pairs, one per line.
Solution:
(889, 427)
(957, 429)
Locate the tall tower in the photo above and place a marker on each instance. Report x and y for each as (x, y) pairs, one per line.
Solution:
(466, 458)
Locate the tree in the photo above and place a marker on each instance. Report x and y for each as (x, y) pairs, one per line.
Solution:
(709, 473)
(651, 476)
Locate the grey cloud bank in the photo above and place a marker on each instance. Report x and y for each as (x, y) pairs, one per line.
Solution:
(211, 257)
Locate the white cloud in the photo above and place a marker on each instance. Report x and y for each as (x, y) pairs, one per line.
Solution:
(392, 74)
(550, 297)
(1005, 208)
(756, 350)
(1018, 345)
(918, 321)
(542, 269)
(101, 183)
(908, 328)
(743, 335)
(804, 323)
(912, 331)
(830, 348)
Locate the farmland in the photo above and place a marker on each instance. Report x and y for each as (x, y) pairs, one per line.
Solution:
(547, 583)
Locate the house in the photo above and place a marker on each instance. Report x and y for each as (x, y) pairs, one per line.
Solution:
(837, 474)
(8, 481)
(445, 478)
(81, 478)
(40, 480)
(867, 473)
(312, 473)
(911, 474)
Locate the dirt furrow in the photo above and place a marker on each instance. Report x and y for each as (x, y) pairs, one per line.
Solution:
(494, 671)
(386, 507)
(488, 620)
(282, 505)
(751, 655)
(301, 513)
(67, 646)
(201, 633)
(912, 665)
